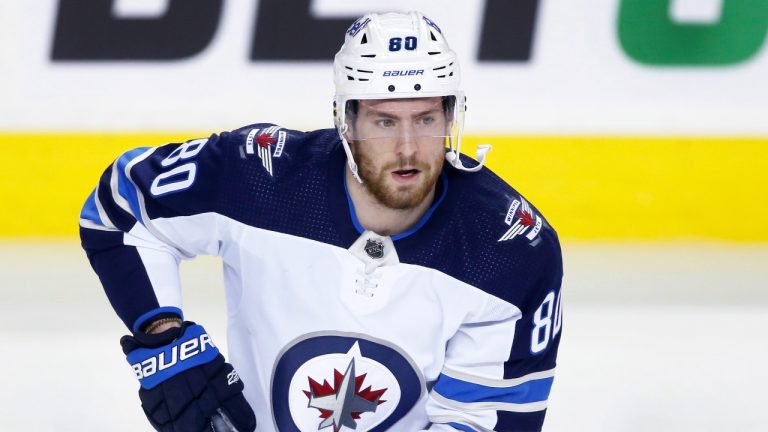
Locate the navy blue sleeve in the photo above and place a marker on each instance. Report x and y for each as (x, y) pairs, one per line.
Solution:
(537, 338)
(500, 364)
(135, 260)
(120, 270)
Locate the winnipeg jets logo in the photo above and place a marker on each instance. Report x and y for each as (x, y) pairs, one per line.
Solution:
(261, 142)
(343, 403)
(374, 248)
(343, 382)
(357, 26)
(525, 221)
(432, 24)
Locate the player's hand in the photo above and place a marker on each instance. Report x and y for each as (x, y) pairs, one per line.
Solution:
(186, 386)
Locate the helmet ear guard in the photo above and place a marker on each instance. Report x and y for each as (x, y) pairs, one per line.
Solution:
(394, 56)
(454, 160)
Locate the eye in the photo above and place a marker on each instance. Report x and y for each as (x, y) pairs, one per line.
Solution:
(427, 120)
(385, 123)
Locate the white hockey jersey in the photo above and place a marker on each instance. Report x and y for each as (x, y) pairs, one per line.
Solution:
(453, 325)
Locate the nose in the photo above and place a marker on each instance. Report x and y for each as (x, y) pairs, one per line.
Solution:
(406, 142)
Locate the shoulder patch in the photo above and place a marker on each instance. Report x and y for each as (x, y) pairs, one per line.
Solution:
(521, 221)
(267, 143)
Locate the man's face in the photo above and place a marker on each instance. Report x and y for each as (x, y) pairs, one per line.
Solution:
(399, 147)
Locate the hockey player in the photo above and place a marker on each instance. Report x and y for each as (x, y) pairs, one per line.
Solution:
(370, 285)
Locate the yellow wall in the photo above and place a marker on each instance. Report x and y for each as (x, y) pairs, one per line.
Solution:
(590, 188)
(642, 188)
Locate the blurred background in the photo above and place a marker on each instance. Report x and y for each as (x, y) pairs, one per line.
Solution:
(638, 127)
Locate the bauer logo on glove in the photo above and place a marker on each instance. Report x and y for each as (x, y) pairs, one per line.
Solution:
(154, 365)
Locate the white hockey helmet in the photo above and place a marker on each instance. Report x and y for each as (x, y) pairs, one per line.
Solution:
(393, 56)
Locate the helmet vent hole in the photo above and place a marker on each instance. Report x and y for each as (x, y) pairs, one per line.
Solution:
(441, 76)
(368, 55)
(450, 74)
(364, 71)
(439, 68)
(434, 52)
(347, 67)
(432, 36)
(363, 79)
(391, 88)
(364, 40)
(349, 78)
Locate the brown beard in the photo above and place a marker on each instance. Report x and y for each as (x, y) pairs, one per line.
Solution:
(398, 197)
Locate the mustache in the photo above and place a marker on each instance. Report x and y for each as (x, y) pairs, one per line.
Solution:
(406, 162)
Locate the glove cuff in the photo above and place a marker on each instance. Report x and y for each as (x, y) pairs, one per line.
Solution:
(141, 339)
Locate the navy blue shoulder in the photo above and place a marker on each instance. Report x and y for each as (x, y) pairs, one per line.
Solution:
(284, 180)
(261, 175)
(488, 235)
(278, 150)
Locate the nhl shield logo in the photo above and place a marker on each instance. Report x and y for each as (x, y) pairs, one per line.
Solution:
(374, 248)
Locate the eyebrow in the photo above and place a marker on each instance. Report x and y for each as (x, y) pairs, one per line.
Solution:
(373, 112)
(376, 112)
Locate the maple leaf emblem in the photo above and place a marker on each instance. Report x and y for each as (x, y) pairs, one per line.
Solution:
(264, 140)
(342, 403)
(526, 218)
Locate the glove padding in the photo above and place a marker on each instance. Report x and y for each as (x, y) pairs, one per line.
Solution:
(185, 381)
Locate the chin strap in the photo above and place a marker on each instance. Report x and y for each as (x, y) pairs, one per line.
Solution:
(455, 161)
(350, 159)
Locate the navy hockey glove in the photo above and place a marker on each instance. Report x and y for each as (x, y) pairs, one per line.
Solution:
(186, 386)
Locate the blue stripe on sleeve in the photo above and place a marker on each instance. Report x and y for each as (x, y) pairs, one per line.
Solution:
(90, 211)
(461, 427)
(463, 391)
(124, 186)
(122, 219)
